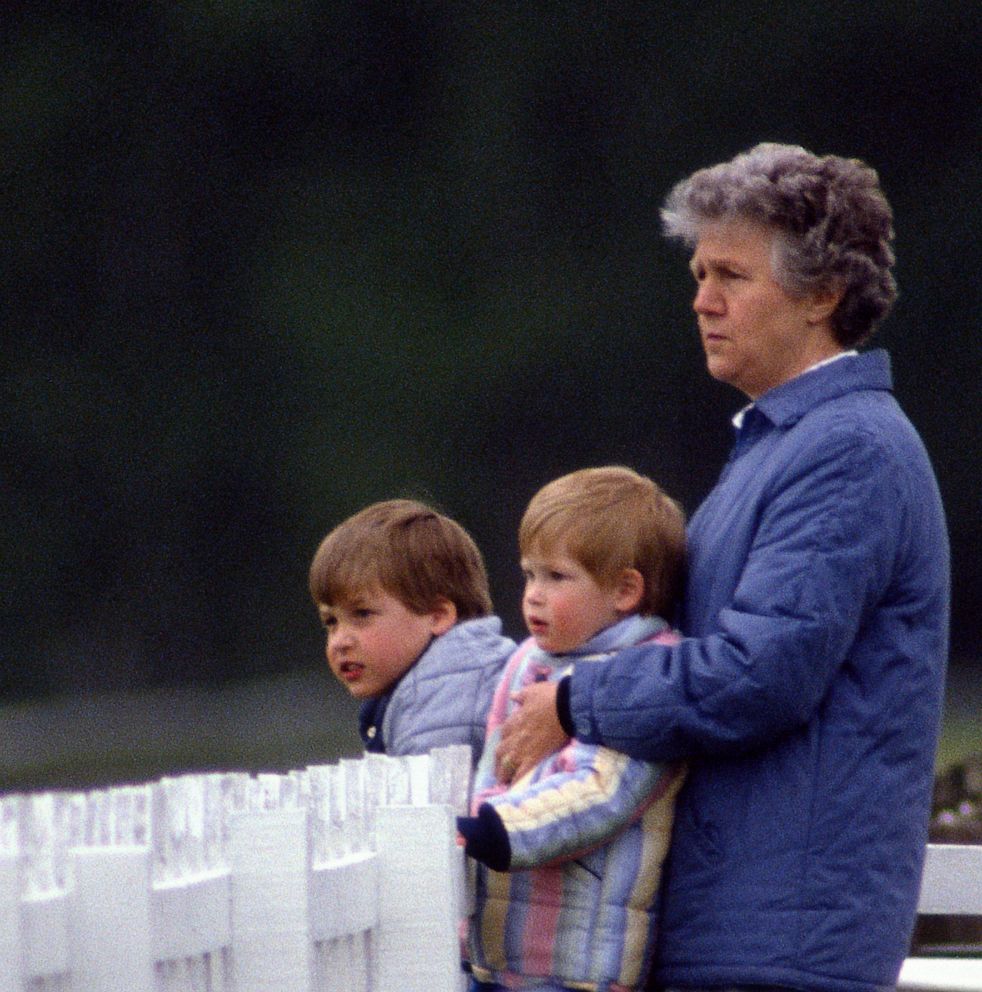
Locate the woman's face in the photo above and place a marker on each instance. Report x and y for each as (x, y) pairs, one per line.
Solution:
(754, 333)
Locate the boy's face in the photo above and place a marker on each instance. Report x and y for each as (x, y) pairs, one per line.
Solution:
(373, 639)
(563, 605)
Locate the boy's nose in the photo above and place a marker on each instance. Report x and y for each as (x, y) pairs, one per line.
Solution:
(340, 640)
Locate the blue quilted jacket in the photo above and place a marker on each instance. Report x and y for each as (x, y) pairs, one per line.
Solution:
(445, 697)
(806, 694)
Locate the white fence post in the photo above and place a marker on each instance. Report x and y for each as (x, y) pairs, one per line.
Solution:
(234, 883)
(272, 948)
(420, 870)
(951, 886)
(110, 921)
(951, 883)
(11, 952)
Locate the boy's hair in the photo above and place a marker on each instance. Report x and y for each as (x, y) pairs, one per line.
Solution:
(609, 519)
(409, 551)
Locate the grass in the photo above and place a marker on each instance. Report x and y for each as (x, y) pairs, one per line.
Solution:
(271, 724)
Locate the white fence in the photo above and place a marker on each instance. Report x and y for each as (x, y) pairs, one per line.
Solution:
(952, 886)
(342, 876)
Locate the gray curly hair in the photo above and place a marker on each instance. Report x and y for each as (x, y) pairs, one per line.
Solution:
(834, 225)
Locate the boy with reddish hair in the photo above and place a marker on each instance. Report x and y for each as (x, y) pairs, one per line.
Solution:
(570, 854)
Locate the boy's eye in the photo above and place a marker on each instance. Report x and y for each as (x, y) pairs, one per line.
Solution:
(557, 576)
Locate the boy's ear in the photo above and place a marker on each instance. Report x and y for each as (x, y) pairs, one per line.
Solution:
(442, 617)
(629, 591)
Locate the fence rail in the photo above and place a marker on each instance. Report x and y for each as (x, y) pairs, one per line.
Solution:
(341, 876)
(951, 886)
(335, 877)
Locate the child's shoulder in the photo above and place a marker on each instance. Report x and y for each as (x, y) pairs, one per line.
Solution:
(519, 659)
(529, 663)
(480, 637)
(521, 653)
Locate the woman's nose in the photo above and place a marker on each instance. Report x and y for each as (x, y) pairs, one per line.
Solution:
(707, 299)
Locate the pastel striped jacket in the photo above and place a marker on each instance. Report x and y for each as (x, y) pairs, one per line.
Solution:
(588, 831)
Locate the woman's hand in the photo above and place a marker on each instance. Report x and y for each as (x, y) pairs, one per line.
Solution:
(530, 734)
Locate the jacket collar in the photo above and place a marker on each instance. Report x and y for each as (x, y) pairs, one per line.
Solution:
(789, 402)
(370, 717)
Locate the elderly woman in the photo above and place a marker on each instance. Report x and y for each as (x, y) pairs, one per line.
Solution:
(807, 692)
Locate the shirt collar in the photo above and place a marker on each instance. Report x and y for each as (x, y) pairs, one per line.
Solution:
(741, 413)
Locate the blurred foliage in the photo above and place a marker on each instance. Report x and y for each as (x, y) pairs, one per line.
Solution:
(266, 263)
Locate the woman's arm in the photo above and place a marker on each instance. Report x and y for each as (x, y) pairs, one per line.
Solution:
(530, 734)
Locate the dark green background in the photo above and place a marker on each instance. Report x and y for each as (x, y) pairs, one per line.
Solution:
(265, 263)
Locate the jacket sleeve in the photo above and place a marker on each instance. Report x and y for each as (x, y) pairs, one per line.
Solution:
(579, 799)
(824, 545)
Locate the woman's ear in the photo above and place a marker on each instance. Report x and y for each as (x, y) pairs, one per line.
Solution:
(629, 591)
(824, 303)
(442, 616)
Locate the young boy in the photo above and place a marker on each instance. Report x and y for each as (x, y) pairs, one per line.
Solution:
(403, 595)
(571, 854)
